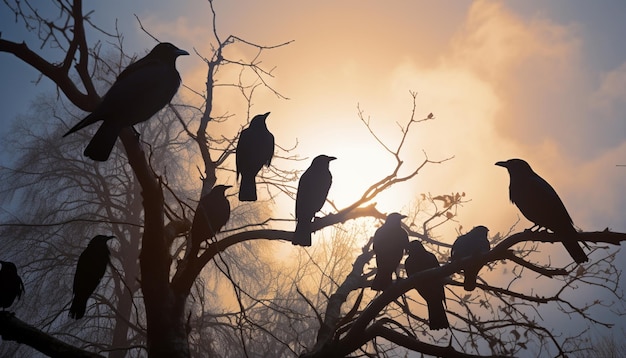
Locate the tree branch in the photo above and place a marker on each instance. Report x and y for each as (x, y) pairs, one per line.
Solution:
(14, 329)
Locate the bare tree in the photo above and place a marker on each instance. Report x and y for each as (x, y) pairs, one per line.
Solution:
(323, 308)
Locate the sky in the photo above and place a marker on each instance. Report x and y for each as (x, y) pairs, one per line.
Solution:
(538, 80)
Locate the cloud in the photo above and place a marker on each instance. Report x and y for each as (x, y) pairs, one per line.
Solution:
(501, 85)
(513, 87)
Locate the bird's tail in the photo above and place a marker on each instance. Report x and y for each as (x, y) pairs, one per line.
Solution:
(574, 249)
(82, 124)
(302, 234)
(78, 307)
(381, 281)
(247, 188)
(471, 273)
(437, 318)
(102, 143)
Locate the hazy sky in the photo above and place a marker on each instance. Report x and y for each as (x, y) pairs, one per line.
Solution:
(540, 80)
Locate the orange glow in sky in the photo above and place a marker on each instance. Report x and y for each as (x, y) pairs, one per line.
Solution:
(503, 80)
(500, 84)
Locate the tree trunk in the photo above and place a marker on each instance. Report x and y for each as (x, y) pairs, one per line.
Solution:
(129, 252)
(167, 336)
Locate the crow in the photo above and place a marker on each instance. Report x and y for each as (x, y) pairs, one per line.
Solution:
(212, 213)
(254, 149)
(431, 290)
(140, 91)
(92, 264)
(312, 191)
(11, 285)
(472, 244)
(390, 240)
(539, 203)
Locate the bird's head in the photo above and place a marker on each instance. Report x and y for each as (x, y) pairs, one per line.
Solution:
(322, 160)
(415, 247)
(100, 240)
(395, 218)
(480, 229)
(259, 119)
(167, 51)
(8, 267)
(221, 188)
(515, 165)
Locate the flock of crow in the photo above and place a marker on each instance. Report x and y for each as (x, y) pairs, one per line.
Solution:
(149, 84)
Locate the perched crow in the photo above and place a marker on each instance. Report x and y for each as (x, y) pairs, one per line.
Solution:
(254, 149)
(431, 290)
(11, 285)
(139, 92)
(472, 244)
(211, 215)
(540, 204)
(91, 266)
(312, 191)
(390, 240)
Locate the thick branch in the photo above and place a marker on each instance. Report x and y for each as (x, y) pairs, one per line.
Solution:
(353, 339)
(187, 273)
(86, 102)
(378, 330)
(605, 236)
(14, 329)
(79, 42)
(353, 281)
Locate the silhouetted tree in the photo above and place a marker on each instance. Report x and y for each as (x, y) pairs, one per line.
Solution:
(234, 298)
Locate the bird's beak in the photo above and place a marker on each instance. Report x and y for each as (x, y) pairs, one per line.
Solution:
(180, 52)
(403, 216)
(501, 164)
(331, 158)
(266, 114)
(226, 187)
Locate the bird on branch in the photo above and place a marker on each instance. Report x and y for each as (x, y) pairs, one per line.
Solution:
(312, 191)
(539, 203)
(140, 91)
(431, 290)
(254, 149)
(472, 244)
(212, 213)
(390, 241)
(92, 264)
(11, 285)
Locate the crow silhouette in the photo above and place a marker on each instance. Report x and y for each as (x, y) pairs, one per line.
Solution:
(212, 213)
(539, 203)
(431, 290)
(92, 264)
(312, 191)
(390, 240)
(140, 91)
(11, 285)
(472, 244)
(254, 149)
